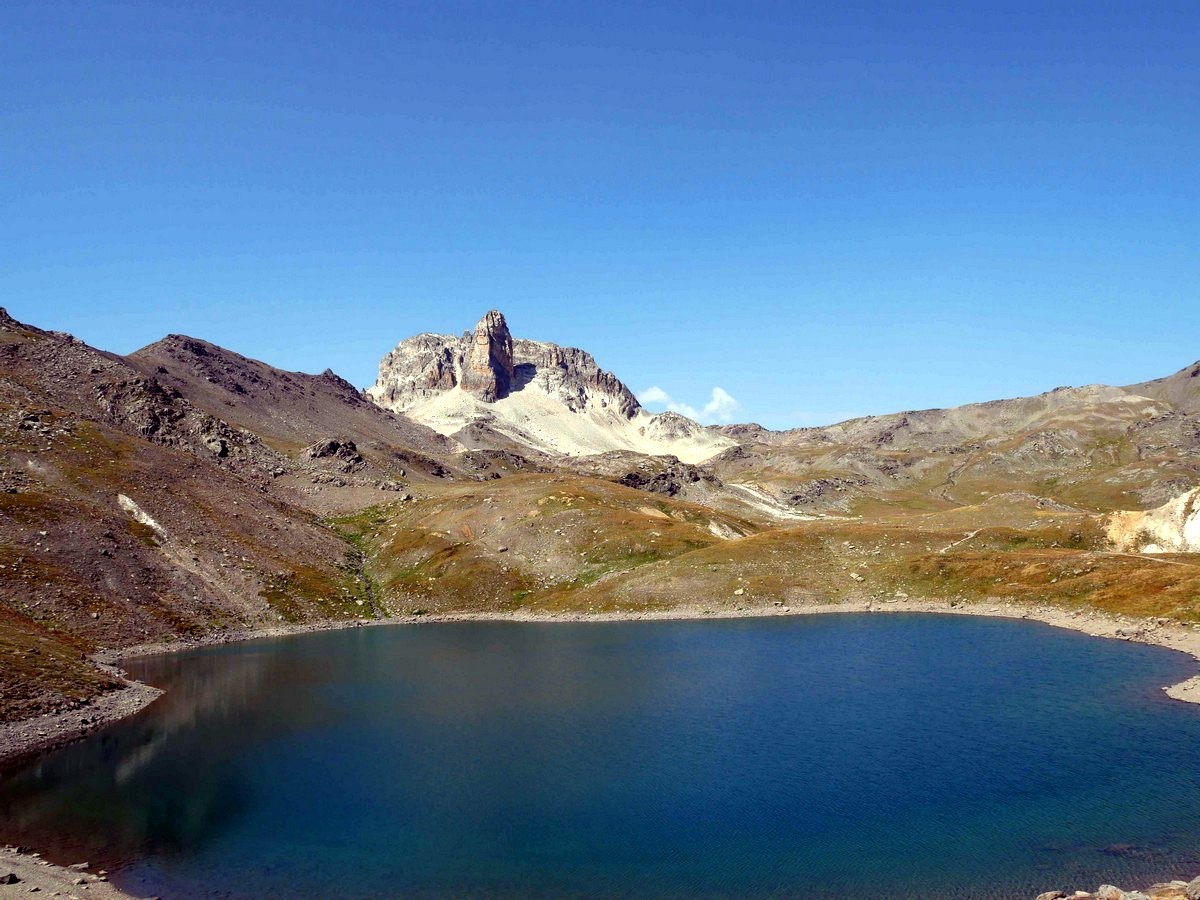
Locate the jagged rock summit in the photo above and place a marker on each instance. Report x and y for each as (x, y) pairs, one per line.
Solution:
(488, 389)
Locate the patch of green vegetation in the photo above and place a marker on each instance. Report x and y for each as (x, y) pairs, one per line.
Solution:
(600, 565)
(360, 527)
(552, 506)
(307, 589)
(30, 507)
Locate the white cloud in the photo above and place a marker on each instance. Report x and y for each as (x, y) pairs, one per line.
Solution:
(720, 408)
(655, 395)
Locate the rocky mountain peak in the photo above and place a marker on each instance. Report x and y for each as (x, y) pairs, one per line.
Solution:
(551, 398)
(488, 362)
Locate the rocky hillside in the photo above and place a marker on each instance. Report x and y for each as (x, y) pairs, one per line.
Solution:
(487, 389)
(130, 514)
(338, 448)
(1181, 390)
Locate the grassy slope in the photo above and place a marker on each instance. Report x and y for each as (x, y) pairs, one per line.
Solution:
(507, 544)
(573, 543)
(1060, 564)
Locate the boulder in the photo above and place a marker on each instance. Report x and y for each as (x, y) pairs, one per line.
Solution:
(1193, 889)
(340, 450)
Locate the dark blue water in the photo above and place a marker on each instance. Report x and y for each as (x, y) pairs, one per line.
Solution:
(895, 756)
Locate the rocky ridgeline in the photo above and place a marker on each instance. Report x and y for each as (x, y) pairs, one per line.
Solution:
(1170, 890)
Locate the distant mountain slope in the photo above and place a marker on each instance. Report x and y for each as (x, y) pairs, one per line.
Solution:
(188, 490)
(1096, 446)
(1181, 390)
(552, 399)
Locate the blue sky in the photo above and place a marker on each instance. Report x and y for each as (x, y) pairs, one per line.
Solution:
(823, 212)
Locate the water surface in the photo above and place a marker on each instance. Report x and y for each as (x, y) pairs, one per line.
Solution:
(897, 756)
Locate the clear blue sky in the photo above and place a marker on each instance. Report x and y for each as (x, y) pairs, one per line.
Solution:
(823, 211)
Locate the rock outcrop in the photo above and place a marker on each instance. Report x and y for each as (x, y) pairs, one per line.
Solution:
(487, 370)
(489, 364)
(1173, 527)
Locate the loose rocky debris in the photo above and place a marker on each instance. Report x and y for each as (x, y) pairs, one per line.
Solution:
(1170, 890)
(343, 451)
(671, 480)
(28, 736)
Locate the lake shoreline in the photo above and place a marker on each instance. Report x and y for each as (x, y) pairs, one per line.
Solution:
(28, 737)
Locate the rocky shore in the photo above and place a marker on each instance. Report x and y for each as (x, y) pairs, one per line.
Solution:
(46, 732)
(1169, 890)
(24, 872)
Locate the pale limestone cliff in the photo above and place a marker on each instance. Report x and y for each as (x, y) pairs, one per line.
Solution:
(1173, 527)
